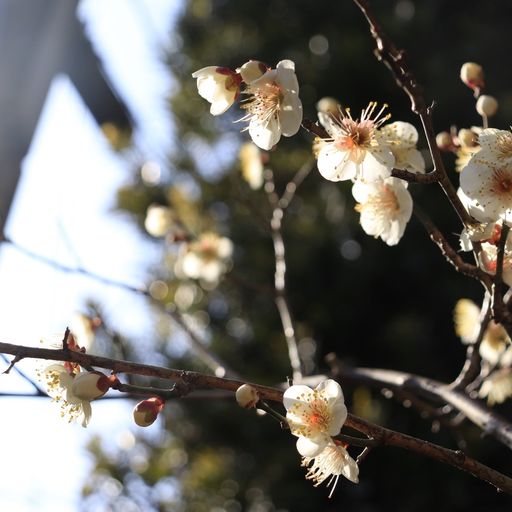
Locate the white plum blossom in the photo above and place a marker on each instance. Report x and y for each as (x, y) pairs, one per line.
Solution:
(314, 416)
(403, 138)
(74, 391)
(273, 105)
(206, 258)
(218, 85)
(330, 463)
(487, 178)
(354, 148)
(385, 207)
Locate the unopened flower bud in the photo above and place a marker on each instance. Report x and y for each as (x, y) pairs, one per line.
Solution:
(472, 75)
(90, 385)
(444, 141)
(252, 70)
(467, 138)
(486, 105)
(247, 396)
(328, 105)
(146, 412)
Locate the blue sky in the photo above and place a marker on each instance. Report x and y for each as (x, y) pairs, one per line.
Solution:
(62, 210)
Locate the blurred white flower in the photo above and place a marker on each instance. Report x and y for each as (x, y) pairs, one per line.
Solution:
(83, 327)
(497, 387)
(385, 207)
(466, 317)
(330, 463)
(206, 258)
(354, 149)
(402, 138)
(252, 165)
(273, 106)
(495, 347)
(314, 416)
(494, 343)
(218, 85)
(159, 220)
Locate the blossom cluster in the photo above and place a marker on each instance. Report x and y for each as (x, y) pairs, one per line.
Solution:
(365, 151)
(272, 104)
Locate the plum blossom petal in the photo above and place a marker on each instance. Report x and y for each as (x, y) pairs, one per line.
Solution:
(495, 144)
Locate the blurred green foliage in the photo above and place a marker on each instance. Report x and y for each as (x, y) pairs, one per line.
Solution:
(373, 305)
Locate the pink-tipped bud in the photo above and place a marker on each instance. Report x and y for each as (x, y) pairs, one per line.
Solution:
(146, 412)
(444, 141)
(247, 396)
(90, 385)
(252, 70)
(472, 75)
(486, 105)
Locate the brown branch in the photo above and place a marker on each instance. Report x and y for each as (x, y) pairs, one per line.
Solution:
(475, 411)
(395, 60)
(457, 458)
(191, 381)
(449, 252)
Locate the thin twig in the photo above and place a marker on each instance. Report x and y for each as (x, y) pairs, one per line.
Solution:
(280, 278)
(200, 347)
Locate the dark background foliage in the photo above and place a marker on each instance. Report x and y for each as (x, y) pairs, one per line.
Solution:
(372, 305)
